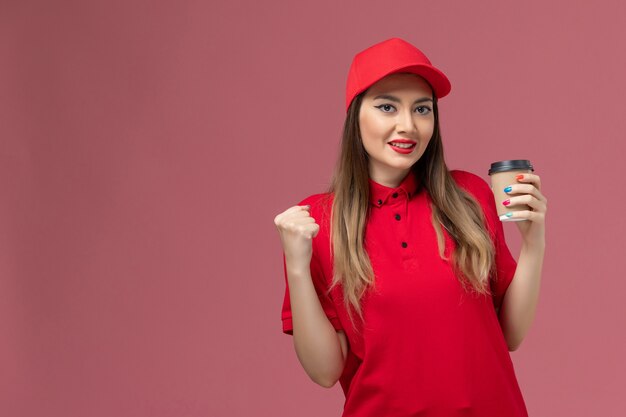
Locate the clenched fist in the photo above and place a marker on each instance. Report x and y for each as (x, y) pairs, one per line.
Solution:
(297, 229)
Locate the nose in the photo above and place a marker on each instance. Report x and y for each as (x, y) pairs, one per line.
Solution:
(405, 122)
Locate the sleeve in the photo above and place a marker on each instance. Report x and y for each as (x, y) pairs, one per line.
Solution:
(321, 287)
(505, 264)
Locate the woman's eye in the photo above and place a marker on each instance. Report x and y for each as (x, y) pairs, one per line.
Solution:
(424, 107)
(386, 106)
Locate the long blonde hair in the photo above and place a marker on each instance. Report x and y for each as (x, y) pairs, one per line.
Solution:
(452, 207)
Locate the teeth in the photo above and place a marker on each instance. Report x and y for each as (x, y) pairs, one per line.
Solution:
(402, 145)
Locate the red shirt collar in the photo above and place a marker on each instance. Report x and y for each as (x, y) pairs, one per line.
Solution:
(381, 194)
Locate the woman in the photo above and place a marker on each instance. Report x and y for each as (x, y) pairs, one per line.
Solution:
(399, 281)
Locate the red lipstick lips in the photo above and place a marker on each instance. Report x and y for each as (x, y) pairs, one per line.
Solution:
(402, 150)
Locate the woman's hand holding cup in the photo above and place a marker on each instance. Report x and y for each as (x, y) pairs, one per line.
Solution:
(518, 196)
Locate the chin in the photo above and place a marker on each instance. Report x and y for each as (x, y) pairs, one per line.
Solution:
(402, 167)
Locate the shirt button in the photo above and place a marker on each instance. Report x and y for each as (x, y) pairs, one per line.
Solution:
(404, 244)
(394, 195)
(380, 202)
(397, 217)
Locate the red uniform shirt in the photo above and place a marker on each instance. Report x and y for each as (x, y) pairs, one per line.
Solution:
(426, 347)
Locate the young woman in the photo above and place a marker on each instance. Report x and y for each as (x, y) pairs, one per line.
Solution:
(399, 281)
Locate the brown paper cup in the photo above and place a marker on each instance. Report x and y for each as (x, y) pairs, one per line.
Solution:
(502, 174)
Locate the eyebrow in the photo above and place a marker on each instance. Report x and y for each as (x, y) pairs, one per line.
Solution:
(397, 100)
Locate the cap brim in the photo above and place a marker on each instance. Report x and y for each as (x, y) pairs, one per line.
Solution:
(437, 79)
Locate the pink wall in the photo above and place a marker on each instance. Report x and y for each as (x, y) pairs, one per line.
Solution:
(145, 148)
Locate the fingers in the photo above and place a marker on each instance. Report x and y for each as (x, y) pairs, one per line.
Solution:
(522, 189)
(536, 216)
(527, 192)
(528, 199)
(526, 189)
(530, 178)
(297, 219)
(297, 211)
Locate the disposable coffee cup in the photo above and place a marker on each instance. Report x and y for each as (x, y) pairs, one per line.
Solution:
(502, 174)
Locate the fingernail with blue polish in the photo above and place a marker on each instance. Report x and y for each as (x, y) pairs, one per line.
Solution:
(508, 189)
(506, 216)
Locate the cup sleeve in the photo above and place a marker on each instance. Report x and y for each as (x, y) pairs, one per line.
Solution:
(319, 282)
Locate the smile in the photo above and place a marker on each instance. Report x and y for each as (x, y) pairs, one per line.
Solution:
(403, 148)
(403, 145)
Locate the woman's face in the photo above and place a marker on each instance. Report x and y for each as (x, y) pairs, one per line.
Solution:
(399, 106)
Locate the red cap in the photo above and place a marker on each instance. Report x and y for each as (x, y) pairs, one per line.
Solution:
(388, 57)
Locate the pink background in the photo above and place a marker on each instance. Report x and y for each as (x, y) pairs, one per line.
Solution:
(145, 148)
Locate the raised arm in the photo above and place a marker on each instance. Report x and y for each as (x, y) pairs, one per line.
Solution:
(319, 348)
